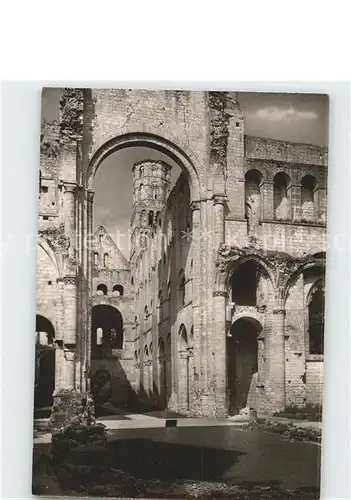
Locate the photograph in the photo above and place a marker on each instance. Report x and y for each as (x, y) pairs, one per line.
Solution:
(180, 294)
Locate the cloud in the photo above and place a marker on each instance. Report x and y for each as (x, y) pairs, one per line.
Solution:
(274, 113)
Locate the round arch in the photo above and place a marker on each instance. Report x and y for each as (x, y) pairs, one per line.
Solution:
(185, 161)
(241, 260)
(299, 270)
(110, 320)
(182, 337)
(43, 324)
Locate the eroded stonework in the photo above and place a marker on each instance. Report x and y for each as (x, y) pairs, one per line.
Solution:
(221, 303)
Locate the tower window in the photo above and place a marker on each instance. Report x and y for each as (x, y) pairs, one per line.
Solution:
(101, 289)
(151, 218)
(118, 290)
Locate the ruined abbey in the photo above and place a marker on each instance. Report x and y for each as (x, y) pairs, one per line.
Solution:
(220, 304)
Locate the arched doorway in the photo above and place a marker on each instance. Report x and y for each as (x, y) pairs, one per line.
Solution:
(242, 364)
(44, 362)
(107, 331)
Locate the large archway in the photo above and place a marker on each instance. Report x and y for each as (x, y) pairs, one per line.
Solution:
(107, 331)
(242, 364)
(44, 362)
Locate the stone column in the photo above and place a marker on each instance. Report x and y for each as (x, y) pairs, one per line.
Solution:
(69, 204)
(322, 205)
(219, 314)
(275, 356)
(69, 370)
(87, 296)
(219, 226)
(70, 330)
(219, 338)
(267, 201)
(295, 202)
(196, 302)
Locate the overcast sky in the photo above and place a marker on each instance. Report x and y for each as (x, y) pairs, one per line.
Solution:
(292, 117)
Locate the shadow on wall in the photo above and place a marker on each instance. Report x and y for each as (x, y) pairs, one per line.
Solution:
(110, 384)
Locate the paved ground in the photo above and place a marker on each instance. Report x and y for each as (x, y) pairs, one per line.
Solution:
(205, 449)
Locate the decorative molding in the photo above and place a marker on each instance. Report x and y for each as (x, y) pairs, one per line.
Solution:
(70, 280)
(219, 199)
(279, 310)
(194, 205)
(69, 187)
(220, 293)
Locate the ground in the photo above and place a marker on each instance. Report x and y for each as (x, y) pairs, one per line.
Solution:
(200, 458)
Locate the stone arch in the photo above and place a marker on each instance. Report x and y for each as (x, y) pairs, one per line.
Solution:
(307, 265)
(187, 161)
(110, 319)
(249, 263)
(101, 289)
(118, 290)
(182, 338)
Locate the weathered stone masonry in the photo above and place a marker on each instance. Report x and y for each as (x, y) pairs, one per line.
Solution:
(221, 304)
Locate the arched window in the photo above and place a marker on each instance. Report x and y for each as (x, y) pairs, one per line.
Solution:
(118, 290)
(154, 192)
(244, 283)
(96, 259)
(151, 218)
(308, 198)
(101, 289)
(105, 259)
(146, 313)
(141, 191)
(132, 281)
(182, 338)
(181, 288)
(141, 170)
(281, 183)
(253, 179)
(316, 319)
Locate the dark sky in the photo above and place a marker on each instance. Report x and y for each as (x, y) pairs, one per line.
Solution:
(293, 117)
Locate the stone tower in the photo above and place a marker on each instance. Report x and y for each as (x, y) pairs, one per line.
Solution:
(151, 186)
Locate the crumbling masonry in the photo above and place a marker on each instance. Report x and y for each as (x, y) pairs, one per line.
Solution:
(221, 303)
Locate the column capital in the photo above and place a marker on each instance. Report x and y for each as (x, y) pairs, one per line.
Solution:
(69, 187)
(194, 205)
(69, 280)
(90, 195)
(219, 199)
(279, 310)
(70, 355)
(220, 293)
